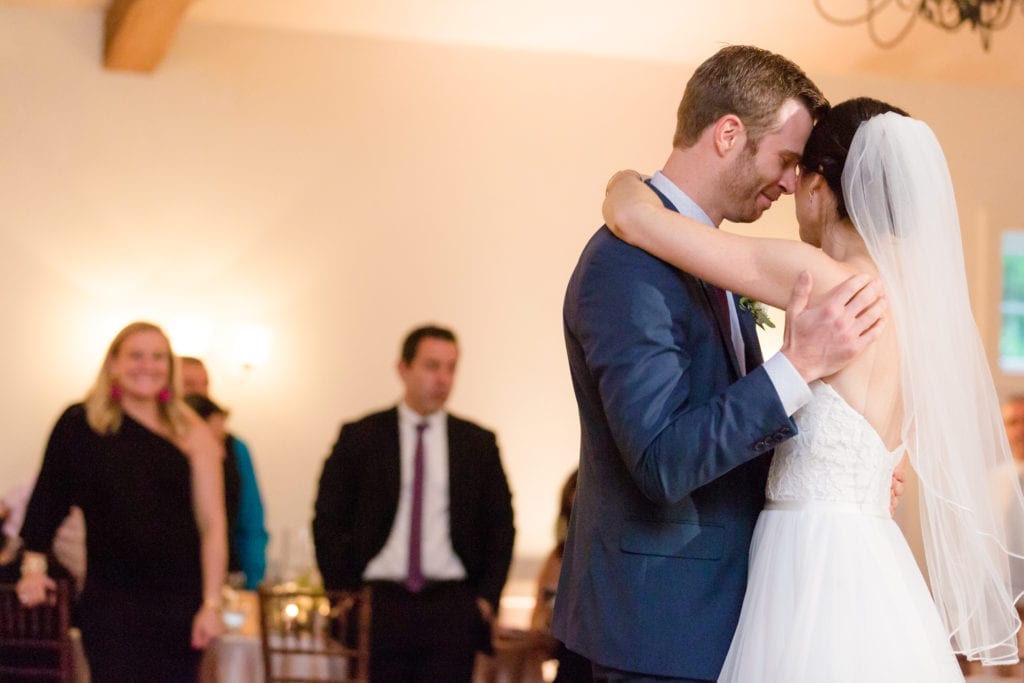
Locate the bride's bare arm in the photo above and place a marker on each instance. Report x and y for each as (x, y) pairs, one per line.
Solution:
(761, 268)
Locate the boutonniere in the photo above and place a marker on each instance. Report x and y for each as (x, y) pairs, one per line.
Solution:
(756, 309)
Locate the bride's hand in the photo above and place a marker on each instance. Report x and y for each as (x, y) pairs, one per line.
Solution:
(626, 191)
(899, 478)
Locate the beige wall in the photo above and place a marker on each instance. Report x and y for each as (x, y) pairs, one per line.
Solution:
(338, 191)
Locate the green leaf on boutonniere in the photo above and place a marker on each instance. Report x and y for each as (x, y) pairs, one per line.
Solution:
(756, 309)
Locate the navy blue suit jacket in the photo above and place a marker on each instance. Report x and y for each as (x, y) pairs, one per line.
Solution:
(674, 455)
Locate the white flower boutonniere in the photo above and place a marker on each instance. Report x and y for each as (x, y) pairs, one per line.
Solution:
(756, 309)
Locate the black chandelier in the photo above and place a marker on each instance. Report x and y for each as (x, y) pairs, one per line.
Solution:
(985, 16)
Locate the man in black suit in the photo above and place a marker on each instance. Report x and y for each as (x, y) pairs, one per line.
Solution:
(414, 501)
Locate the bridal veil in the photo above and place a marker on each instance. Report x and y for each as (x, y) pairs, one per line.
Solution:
(899, 194)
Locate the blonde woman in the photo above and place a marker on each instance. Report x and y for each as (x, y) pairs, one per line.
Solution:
(146, 472)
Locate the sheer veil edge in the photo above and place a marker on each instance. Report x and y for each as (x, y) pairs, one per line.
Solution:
(899, 194)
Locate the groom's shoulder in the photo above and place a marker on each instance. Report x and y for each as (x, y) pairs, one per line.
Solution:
(605, 255)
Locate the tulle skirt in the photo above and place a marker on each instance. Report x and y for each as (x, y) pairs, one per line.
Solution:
(834, 596)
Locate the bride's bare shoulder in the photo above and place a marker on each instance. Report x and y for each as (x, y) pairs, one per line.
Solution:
(871, 385)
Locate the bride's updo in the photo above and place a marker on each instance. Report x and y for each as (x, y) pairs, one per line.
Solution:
(829, 143)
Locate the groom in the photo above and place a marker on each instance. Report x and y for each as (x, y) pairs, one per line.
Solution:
(678, 413)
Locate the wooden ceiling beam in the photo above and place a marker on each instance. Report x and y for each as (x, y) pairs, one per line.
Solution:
(139, 32)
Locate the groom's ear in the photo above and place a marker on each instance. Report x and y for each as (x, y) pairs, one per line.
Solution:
(729, 134)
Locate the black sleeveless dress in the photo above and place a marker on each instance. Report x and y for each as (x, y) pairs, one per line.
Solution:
(143, 581)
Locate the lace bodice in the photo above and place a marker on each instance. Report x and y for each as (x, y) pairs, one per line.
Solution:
(836, 456)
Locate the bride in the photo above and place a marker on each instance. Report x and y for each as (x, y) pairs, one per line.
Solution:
(833, 592)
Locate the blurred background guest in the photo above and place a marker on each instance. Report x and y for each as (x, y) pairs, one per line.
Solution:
(247, 537)
(1013, 421)
(12, 512)
(247, 540)
(146, 472)
(194, 377)
(66, 559)
(572, 668)
(414, 501)
(1012, 478)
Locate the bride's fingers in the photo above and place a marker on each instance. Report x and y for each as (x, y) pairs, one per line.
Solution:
(628, 174)
(609, 215)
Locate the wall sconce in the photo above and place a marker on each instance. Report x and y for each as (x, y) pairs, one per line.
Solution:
(190, 337)
(252, 346)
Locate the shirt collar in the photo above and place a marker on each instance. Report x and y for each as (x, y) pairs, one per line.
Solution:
(407, 415)
(679, 199)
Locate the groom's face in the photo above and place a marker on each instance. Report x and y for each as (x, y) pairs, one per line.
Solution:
(761, 173)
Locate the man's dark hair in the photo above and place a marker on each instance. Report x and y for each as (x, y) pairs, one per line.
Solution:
(412, 340)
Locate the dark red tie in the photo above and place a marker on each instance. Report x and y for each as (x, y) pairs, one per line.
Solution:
(414, 580)
(721, 307)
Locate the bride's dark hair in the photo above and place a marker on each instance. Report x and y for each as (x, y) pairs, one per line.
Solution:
(829, 143)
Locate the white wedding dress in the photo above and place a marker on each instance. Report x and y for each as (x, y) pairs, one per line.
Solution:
(834, 594)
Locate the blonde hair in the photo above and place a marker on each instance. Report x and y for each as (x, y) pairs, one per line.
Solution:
(104, 412)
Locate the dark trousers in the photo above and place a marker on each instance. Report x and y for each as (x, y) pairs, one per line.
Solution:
(431, 635)
(604, 674)
(572, 667)
(133, 639)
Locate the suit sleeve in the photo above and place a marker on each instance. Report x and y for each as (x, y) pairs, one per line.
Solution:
(499, 534)
(630, 323)
(334, 513)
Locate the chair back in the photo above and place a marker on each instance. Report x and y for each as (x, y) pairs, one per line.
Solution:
(34, 641)
(315, 636)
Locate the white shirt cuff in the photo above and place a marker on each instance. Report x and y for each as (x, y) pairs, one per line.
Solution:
(789, 385)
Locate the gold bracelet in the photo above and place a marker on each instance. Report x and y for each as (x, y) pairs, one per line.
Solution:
(33, 564)
(212, 603)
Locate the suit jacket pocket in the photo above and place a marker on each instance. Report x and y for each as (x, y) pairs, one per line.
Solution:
(672, 539)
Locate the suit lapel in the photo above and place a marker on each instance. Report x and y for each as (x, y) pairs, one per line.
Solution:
(721, 321)
(456, 454)
(458, 471)
(724, 324)
(751, 343)
(391, 458)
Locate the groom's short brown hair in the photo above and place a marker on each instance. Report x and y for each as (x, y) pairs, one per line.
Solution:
(747, 81)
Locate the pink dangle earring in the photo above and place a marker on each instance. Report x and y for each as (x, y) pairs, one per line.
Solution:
(164, 396)
(115, 392)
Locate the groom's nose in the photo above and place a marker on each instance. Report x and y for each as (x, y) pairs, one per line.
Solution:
(788, 181)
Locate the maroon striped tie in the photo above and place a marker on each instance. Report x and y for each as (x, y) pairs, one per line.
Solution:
(414, 580)
(721, 305)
